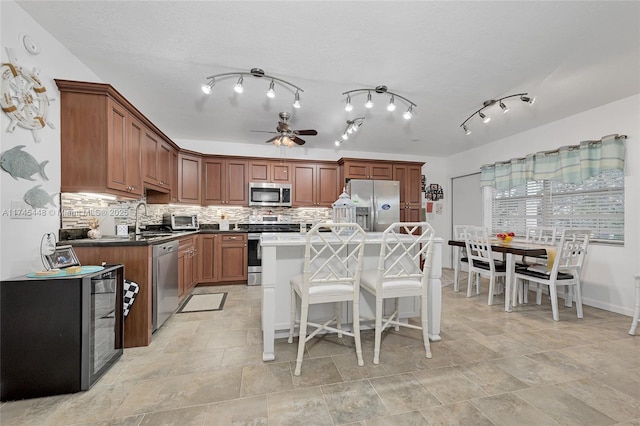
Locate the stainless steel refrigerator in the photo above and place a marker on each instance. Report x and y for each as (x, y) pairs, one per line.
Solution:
(377, 202)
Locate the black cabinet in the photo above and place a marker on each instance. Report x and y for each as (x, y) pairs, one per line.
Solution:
(59, 335)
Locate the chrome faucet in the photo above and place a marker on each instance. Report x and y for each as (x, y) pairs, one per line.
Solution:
(138, 216)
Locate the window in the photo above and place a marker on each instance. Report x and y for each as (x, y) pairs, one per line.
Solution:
(596, 204)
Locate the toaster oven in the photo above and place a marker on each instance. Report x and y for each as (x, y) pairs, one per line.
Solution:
(180, 222)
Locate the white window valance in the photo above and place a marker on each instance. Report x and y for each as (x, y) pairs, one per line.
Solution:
(568, 164)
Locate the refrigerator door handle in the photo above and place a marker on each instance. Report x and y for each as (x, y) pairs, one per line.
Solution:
(374, 210)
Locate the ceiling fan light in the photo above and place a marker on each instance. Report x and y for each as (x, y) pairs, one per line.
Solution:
(485, 118)
(466, 130)
(505, 109)
(369, 103)
(277, 142)
(271, 93)
(238, 87)
(296, 102)
(348, 107)
(408, 113)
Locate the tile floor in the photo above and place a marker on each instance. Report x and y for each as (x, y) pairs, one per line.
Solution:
(490, 368)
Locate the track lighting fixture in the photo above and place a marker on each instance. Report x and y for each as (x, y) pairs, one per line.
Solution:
(207, 87)
(383, 90)
(352, 127)
(486, 104)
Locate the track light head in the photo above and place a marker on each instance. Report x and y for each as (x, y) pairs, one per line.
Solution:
(485, 118)
(408, 113)
(207, 87)
(528, 99)
(296, 102)
(338, 142)
(271, 93)
(505, 108)
(369, 103)
(392, 105)
(348, 107)
(466, 130)
(238, 87)
(345, 136)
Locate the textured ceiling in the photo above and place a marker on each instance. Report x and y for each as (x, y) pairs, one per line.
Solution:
(447, 57)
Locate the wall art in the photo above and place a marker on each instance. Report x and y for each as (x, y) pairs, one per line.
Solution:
(38, 198)
(21, 164)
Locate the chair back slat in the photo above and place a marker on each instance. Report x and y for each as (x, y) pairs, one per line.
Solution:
(406, 251)
(333, 255)
(572, 249)
(545, 235)
(478, 245)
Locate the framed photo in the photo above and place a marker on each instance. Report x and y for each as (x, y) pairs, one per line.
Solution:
(62, 257)
(434, 186)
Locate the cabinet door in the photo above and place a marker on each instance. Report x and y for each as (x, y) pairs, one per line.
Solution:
(237, 189)
(150, 157)
(124, 144)
(280, 172)
(133, 161)
(173, 175)
(381, 171)
(328, 188)
(259, 171)
(206, 258)
(400, 174)
(231, 259)
(356, 170)
(182, 254)
(213, 177)
(188, 179)
(304, 185)
(164, 165)
(414, 185)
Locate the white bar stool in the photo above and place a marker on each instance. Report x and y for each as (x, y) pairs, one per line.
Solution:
(636, 313)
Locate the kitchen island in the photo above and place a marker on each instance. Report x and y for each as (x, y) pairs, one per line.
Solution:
(283, 257)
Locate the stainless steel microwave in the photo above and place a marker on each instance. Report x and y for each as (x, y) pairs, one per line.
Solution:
(269, 194)
(179, 222)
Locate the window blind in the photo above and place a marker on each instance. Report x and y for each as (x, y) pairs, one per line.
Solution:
(596, 204)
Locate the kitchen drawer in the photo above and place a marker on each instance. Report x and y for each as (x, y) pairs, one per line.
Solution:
(230, 238)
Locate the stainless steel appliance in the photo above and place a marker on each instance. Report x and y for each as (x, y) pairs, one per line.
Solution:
(165, 282)
(269, 194)
(377, 202)
(257, 225)
(178, 222)
(59, 334)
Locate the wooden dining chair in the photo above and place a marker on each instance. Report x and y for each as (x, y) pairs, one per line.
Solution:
(481, 260)
(565, 271)
(543, 235)
(403, 270)
(461, 256)
(331, 274)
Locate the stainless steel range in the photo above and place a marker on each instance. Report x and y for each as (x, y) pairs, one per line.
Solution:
(257, 225)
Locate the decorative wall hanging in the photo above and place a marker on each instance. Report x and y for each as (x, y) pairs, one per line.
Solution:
(38, 198)
(21, 164)
(423, 183)
(435, 193)
(24, 98)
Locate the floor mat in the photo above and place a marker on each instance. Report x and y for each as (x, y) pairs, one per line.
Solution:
(203, 302)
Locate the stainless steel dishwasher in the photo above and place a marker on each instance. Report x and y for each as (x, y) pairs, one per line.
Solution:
(165, 282)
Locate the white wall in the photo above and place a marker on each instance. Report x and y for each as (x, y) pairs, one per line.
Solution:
(607, 277)
(20, 242)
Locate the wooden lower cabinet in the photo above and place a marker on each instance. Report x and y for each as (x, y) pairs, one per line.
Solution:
(137, 261)
(187, 265)
(223, 258)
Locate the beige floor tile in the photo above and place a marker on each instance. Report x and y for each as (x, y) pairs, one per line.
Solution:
(211, 386)
(531, 372)
(459, 413)
(449, 384)
(491, 378)
(402, 393)
(188, 416)
(348, 368)
(260, 380)
(353, 401)
(509, 410)
(299, 407)
(32, 411)
(316, 372)
(121, 421)
(412, 418)
(159, 394)
(604, 398)
(244, 411)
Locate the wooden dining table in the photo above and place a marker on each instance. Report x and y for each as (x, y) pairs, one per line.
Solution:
(511, 250)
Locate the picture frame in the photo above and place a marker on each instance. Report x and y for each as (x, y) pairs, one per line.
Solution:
(62, 257)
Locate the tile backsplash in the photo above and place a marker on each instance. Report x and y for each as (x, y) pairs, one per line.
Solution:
(78, 208)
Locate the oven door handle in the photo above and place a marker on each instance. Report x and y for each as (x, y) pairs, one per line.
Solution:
(259, 251)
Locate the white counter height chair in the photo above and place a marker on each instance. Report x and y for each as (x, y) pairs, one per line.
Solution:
(481, 260)
(460, 257)
(331, 274)
(403, 270)
(636, 313)
(568, 258)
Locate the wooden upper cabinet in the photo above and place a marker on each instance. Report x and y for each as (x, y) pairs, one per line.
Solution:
(269, 171)
(156, 162)
(225, 181)
(189, 169)
(379, 170)
(124, 144)
(409, 175)
(315, 184)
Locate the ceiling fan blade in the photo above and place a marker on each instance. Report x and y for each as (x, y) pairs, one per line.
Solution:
(306, 132)
(272, 139)
(298, 140)
(263, 131)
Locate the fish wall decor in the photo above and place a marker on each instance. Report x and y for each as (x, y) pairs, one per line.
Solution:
(38, 198)
(21, 164)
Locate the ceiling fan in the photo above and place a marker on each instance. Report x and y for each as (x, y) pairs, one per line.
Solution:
(285, 134)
